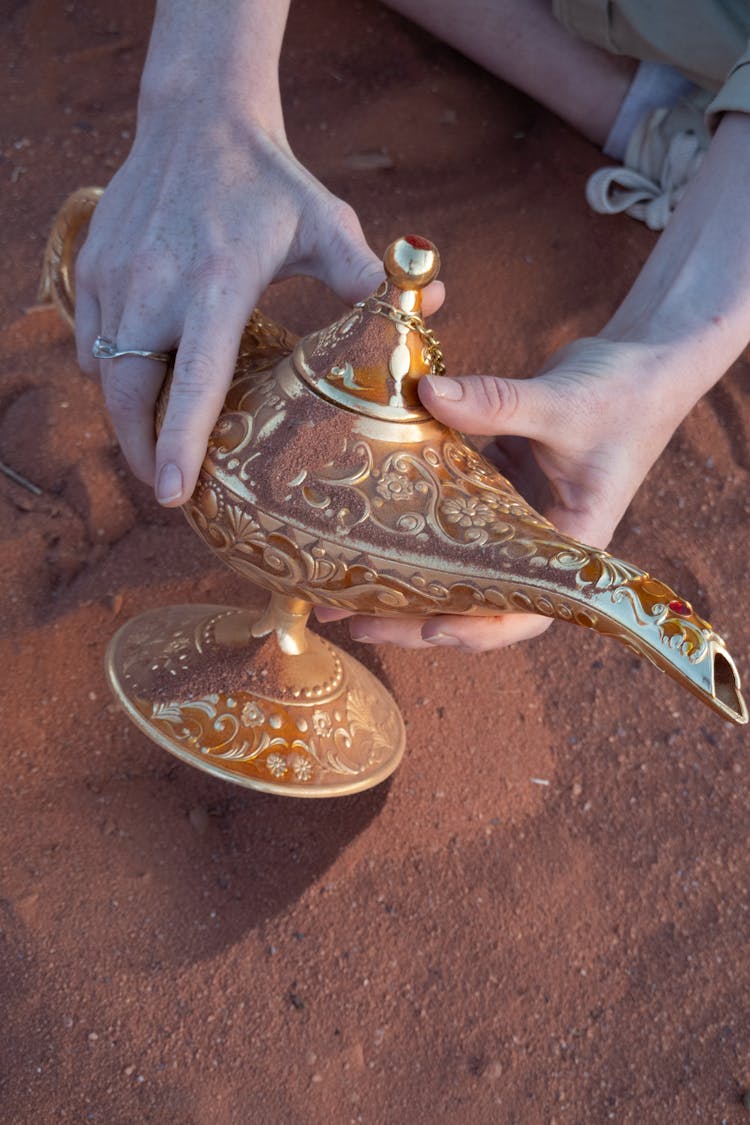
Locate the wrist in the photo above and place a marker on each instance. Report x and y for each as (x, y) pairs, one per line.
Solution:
(169, 109)
(674, 361)
(640, 379)
(690, 305)
(226, 63)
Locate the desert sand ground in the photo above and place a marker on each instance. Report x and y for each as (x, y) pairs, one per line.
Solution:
(462, 944)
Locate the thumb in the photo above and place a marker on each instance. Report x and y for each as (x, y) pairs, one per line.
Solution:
(343, 260)
(490, 404)
(347, 265)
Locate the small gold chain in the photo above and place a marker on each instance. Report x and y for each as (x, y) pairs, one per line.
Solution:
(433, 351)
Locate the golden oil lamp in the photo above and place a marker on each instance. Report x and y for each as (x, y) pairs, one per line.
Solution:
(328, 483)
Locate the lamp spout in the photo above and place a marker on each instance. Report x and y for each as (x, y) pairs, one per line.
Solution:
(619, 600)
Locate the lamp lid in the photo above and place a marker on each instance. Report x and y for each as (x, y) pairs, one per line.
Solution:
(371, 359)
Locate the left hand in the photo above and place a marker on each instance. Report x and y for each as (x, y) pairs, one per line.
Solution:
(576, 441)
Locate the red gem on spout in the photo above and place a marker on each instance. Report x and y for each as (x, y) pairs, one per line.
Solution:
(417, 242)
(682, 608)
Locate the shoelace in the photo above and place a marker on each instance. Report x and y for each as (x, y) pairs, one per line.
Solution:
(613, 190)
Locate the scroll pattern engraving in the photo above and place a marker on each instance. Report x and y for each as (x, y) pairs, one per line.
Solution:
(267, 739)
(343, 739)
(430, 528)
(425, 529)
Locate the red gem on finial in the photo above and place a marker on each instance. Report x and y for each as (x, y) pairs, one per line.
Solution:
(681, 608)
(417, 242)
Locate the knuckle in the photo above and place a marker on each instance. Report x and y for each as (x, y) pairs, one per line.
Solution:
(497, 397)
(326, 225)
(343, 217)
(194, 373)
(342, 245)
(151, 267)
(195, 390)
(123, 399)
(327, 221)
(346, 230)
(367, 274)
(216, 266)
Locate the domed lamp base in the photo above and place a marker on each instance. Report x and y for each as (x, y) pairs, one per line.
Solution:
(256, 699)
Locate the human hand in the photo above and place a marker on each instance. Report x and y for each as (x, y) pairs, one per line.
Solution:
(201, 218)
(576, 441)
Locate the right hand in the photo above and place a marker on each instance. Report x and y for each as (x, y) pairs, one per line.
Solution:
(576, 440)
(203, 215)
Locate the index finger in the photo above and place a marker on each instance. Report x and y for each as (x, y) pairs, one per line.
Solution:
(203, 371)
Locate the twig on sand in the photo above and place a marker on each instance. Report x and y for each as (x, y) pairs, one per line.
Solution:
(23, 481)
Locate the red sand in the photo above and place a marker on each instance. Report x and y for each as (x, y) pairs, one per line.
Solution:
(464, 944)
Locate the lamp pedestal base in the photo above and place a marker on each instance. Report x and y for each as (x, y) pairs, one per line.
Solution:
(199, 683)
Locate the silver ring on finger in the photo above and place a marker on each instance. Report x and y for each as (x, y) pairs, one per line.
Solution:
(107, 349)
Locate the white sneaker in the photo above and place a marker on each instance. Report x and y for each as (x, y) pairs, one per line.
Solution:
(664, 152)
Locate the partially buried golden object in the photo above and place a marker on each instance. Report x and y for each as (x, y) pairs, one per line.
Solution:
(327, 482)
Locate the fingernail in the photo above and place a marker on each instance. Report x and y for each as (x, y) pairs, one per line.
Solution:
(446, 639)
(169, 486)
(325, 613)
(364, 637)
(444, 387)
